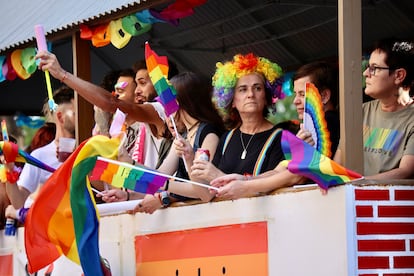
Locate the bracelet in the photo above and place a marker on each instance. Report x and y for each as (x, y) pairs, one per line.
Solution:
(64, 76)
(12, 176)
(247, 176)
(21, 214)
(166, 185)
(133, 162)
(127, 195)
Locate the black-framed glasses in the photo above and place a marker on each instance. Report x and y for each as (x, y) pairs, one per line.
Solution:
(372, 69)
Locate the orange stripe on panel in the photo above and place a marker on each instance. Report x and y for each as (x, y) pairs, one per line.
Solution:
(236, 239)
(235, 265)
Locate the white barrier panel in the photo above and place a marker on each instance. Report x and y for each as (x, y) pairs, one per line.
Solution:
(294, 232)
(305, 235)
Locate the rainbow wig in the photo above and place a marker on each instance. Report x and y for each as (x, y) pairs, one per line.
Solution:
(227, 74)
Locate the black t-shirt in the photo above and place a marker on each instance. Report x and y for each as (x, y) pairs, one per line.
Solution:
(203, 130)
(231, 162)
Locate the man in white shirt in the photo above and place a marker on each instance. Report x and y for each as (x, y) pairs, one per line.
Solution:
(31, 177)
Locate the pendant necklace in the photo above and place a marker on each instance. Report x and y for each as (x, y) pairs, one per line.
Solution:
(190, 129)
(244, 153)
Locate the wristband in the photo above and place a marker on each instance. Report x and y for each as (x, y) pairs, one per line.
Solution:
(167, 183)
(127, 195)
(64, 77)
(21, 214)
(133, 162)
(12, 176)
(164, 198)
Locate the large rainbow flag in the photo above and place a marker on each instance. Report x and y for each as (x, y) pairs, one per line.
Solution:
(307, 161)
(66, 202)
(158, 71)
(314, 120)
(123, 175)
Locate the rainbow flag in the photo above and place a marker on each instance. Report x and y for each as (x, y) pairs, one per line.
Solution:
(120, 175)
(307, 161)
(314, 120)
(12, 153)
(66, 202)
(158, 71)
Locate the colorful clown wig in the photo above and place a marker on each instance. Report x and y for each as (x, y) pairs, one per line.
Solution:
(227, 74)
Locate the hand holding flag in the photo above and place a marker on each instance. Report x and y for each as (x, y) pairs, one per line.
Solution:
(158, 71)
(307, 161)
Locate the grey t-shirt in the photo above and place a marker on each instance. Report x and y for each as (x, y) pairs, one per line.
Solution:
(387, 137)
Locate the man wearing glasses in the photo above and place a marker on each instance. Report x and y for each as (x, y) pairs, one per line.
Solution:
(388, 124)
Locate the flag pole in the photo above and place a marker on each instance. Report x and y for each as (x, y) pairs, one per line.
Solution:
(177, 135)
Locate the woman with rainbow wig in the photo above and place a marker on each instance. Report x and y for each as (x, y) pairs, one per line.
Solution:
(244, 91)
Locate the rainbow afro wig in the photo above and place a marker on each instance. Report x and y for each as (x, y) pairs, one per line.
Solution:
(227, 74)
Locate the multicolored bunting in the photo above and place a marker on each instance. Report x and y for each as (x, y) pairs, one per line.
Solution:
(12, 153)
(314, 120)
(158, 71)
(308, 162)
(66, 202)
(121, 175)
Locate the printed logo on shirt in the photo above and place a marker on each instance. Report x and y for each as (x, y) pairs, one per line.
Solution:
(131, 135)
(382, 141)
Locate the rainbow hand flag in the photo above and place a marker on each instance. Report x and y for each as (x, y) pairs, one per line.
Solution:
(158, 71)
(308, 162)
(124, 175)
(12, 153)
(314, 120)
(66, 202)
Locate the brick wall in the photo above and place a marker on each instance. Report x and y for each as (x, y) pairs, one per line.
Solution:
(385, 230)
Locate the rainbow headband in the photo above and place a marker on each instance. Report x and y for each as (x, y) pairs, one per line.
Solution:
(227, 74)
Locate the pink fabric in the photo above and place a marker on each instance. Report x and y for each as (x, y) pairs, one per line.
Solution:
(138, 153)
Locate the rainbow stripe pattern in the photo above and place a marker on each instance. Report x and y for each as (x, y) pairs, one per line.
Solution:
(307, 161)
(123, 175)
(4, 130)
(12, 153)
(158, 71)
(66, 202)
(316, 123)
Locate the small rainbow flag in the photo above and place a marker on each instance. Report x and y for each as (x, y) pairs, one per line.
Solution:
(314, 120)
(308, 162)
(12, 153)
(120, 175)
(158, 71)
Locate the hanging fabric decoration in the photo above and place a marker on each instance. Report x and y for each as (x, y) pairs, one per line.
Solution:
(2, 77)
(119, 37)
(17, 64)
(8, 70)
(28, 60)
(130, 22)
(101, 36)
(85, 32)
